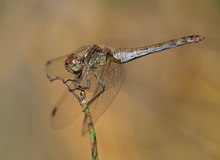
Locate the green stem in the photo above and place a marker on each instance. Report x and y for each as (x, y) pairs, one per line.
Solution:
(91, 131)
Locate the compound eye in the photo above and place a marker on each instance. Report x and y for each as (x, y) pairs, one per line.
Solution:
(73, 65)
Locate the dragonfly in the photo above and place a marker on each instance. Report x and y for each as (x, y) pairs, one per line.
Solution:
(98, 71)
(94, 75)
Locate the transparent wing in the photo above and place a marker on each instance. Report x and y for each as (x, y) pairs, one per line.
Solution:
(112, 75)
(67, 109)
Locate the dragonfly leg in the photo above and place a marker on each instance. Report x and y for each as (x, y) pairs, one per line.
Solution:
(88, 82)
(79, 88)
(102, 85)
(72, 90)
(62, 79)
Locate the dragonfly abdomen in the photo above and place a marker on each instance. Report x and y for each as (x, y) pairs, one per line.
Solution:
(127, 54)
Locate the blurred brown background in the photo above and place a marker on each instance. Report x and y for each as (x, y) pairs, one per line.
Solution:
(168, 108)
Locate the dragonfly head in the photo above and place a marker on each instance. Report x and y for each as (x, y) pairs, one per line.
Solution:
(73, 64)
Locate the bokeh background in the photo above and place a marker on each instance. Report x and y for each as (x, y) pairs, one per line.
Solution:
(168, 107)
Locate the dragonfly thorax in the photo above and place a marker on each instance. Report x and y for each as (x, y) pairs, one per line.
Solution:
(98, 58)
